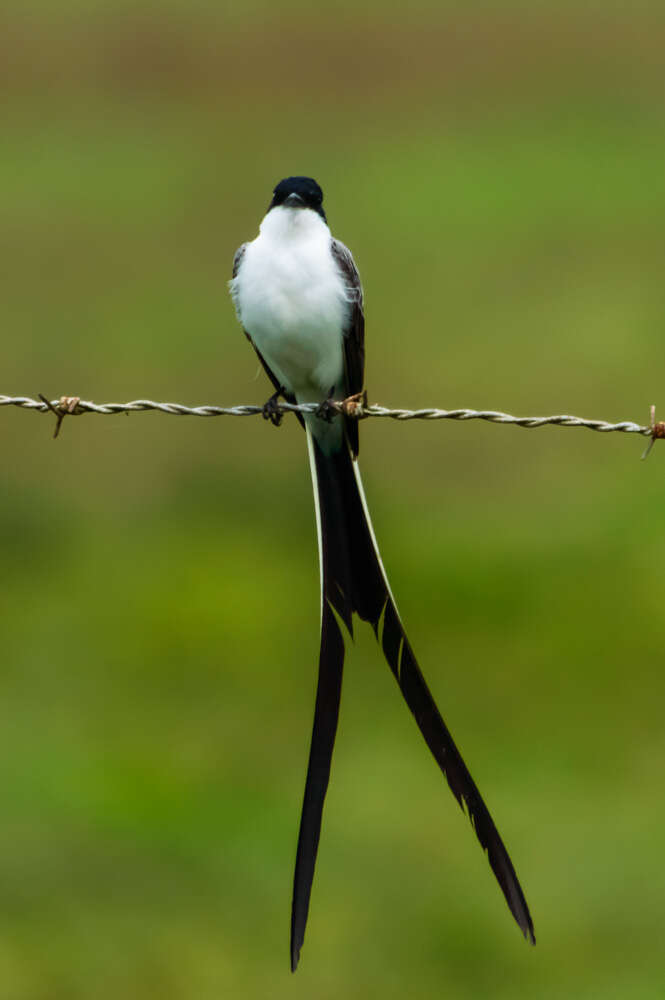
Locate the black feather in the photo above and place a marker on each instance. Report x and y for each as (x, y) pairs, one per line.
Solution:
(354, 582)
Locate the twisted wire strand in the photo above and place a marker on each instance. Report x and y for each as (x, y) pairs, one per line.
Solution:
(353, 408)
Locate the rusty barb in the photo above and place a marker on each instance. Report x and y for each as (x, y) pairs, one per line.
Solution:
(66, 406)
(657, 431)
(355, 406)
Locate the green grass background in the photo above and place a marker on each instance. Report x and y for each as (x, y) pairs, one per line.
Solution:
(499, 174)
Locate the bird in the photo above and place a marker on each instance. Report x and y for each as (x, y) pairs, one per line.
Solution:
(298, 296)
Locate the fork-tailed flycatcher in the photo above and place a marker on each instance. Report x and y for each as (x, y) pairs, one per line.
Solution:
(298, 295)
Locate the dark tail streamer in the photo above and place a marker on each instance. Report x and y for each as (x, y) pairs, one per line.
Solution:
(354, 581)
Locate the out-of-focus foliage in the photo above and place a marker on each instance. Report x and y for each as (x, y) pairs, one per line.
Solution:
(499, 177)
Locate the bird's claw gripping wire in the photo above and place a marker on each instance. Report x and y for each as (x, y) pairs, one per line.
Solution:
(271, 410)
(66, 406)
(329, 408)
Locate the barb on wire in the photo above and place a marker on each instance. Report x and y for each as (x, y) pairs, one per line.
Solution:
(355, 407)
(67, 404)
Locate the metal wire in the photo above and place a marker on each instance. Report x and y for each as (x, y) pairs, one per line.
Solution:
(354, 407)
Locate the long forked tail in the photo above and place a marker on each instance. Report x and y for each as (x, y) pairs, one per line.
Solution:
(353, 580)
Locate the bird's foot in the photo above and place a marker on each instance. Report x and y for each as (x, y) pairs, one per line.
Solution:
(328, 408)
(271, 408)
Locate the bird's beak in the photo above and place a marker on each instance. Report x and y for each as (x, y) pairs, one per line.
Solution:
(294, 201)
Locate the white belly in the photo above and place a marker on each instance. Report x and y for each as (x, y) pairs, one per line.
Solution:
(292, 301)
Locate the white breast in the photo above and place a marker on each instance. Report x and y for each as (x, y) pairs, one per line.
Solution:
(291, 299)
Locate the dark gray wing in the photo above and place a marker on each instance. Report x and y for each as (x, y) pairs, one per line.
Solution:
(354, 334)
(239, 254)
(237, 260)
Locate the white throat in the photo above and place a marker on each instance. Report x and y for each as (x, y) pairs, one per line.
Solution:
(282, 223)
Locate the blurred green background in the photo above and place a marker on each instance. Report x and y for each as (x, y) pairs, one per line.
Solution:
(499, 173)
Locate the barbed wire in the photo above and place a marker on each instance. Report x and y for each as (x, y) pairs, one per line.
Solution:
(355, 407)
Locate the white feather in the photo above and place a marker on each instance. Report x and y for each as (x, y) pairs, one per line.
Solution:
(317, 509)
(293, 302)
